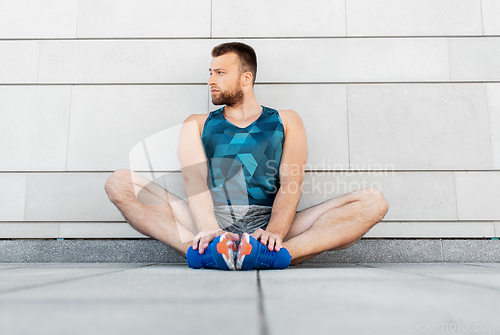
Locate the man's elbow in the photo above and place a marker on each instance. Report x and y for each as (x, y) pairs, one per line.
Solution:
(292, 185)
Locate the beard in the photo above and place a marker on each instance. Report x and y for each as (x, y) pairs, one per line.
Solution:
(229, 98)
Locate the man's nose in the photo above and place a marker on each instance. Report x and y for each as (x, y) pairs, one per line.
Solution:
(211, 80)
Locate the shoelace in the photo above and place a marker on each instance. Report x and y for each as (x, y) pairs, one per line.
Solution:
(207, 258)
(265, 257)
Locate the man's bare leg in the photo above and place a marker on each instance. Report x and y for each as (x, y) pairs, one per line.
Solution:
(334, 224)
(152, 210)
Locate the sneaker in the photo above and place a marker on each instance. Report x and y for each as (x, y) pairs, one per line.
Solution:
(218, 255)
(254, 255)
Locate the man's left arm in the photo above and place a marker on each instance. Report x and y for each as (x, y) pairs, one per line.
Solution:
(291, 174)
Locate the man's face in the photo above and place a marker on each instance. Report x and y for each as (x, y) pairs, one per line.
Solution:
(225, 79)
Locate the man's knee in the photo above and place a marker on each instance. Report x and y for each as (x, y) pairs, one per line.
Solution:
(112, 183)
(376, 201)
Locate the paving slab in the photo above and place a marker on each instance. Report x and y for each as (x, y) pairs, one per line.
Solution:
(153, 284)
(495, 265)
(475, 275)
(80, 265)
(309, 298)
(434, 268)
(125, 299)
(132, 318)
(21, 278)
(350, 300)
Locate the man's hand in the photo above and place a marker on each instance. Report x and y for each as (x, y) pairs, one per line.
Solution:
(204, 238)
(272, 240)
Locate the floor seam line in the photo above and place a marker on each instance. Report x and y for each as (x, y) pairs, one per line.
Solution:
(482, 266)
(262, 316)
(441, 279)
(20, 267)
(25, 288)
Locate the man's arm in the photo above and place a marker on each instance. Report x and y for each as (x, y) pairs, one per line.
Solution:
(292, 165)
(194, 172)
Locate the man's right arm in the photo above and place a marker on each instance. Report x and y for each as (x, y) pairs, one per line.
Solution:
(194, 172)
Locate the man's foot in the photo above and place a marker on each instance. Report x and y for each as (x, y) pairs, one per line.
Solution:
(218, 255)
(254, 255)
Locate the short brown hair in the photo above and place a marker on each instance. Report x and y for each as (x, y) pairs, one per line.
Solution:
(245, 53)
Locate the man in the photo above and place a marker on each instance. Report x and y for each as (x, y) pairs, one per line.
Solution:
(265, 148)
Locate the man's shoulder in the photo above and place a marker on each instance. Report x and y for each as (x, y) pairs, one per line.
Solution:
(288, 113)
(289, 117)
(199, 119)
(196, 117)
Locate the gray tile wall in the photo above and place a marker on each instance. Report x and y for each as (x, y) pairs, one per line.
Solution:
(402, 95)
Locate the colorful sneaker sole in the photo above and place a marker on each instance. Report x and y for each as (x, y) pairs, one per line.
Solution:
(254, 255)
(226, 248)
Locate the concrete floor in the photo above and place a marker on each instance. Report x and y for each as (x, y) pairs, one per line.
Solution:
(131, 298)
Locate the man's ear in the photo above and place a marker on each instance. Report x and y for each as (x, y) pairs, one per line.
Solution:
(247, 78)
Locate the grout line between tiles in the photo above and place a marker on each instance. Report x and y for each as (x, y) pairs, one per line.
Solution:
(13, 268)
(34, 286)
(254, 38)
(477, 286)
(262, 316)
(340, 82)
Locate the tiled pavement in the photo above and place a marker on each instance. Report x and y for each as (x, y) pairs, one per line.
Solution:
(138, 298)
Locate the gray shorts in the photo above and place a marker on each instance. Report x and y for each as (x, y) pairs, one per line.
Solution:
(241, 219)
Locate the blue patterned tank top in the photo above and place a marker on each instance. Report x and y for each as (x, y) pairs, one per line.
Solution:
(243, 163)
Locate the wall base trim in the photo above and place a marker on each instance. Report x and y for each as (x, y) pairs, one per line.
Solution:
(148, 250)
